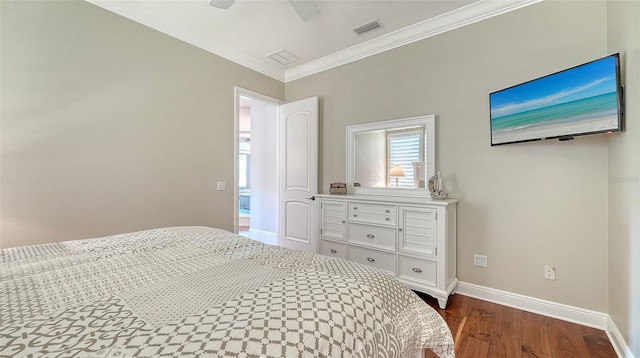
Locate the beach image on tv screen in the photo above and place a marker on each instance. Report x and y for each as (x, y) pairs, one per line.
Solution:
(582, 99)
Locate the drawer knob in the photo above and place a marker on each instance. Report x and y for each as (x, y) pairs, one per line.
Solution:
(355, 208)
(333, 251)
(370, 259)
(387, 211)
(371, 236)
(355, 215)
(399, 229)
(415, 269)
(343, 221)
(388, 219)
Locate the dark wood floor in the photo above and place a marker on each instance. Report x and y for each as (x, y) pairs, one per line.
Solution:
(484, 329)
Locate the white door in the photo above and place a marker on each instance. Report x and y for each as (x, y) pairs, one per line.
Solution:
(298, 158)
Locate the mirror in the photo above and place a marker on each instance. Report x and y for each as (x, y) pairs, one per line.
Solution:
(394, 157)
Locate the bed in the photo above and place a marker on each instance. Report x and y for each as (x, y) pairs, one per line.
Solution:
(204, 292)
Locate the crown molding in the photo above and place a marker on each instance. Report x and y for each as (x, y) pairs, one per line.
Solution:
(478, 11)
(141, 15)
(467, 15)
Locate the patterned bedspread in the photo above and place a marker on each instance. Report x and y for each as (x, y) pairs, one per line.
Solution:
(204, 292)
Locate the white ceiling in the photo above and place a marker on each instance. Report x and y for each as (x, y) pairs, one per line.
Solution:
(252, 29)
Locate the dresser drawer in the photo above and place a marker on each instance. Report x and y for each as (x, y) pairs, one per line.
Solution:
(333, 249)
(378, 259)
(421, 271)
(373, 213)
(374, 236)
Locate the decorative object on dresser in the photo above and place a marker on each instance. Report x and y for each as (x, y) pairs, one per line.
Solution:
(436, 188)
(338, 188)
(412, 238)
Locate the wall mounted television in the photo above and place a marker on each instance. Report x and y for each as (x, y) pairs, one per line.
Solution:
(586, 99)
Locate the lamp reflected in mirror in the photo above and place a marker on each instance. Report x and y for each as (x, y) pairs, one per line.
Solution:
(396, 172)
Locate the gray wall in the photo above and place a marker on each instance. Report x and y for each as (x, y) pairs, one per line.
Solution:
(108, 126)
(524, 205)
(624, 179)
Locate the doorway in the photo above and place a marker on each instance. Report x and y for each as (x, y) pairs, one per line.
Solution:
(256, 184)
(280, 176)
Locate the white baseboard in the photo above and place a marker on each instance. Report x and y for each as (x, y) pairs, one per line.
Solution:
(616, 339)
(561, 311)
(266, 237)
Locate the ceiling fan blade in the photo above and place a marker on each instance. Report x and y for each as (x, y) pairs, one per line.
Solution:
(306, 9)
(221, 4)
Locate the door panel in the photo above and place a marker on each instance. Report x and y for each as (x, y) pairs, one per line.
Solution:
(334, 218)
(297, 161)
(419, 231)
(297, 214)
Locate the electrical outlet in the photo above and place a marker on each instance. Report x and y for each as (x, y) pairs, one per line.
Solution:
(480, 260)
(550, 272)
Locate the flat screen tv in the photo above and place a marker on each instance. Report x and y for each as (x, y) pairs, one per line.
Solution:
(581, 100)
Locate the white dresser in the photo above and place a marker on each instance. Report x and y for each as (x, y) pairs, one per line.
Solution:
(411, 238)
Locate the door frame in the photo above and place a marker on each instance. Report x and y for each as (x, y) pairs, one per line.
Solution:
(243, 92)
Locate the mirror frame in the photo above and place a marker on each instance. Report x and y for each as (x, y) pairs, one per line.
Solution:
(429, 123)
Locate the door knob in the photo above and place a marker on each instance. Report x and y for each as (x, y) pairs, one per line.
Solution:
(311, 198)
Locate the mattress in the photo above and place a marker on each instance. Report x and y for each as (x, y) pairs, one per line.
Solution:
(204, 292)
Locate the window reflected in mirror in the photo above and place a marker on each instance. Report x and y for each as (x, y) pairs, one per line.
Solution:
(378, 152)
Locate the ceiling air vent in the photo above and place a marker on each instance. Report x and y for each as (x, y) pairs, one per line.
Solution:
(369, 26)
(221, 4)
(283, 57)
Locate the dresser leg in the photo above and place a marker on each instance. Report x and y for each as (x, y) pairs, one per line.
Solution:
(442, 302)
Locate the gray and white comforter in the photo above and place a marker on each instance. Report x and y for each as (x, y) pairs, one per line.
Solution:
(204, 292)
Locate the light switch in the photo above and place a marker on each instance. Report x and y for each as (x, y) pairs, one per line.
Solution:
(222, 185)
